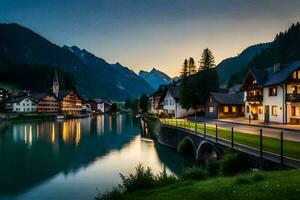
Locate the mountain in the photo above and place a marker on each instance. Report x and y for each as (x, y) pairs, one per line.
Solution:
(238, 63)
(94, 76)
(155, 78)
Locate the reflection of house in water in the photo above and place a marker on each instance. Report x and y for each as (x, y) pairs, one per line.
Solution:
(119, 123)
(71, 133)
(100, 124)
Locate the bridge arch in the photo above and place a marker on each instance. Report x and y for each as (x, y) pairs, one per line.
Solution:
(190, 146)
(206, 151)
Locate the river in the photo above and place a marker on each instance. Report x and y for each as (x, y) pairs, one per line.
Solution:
(76, 158)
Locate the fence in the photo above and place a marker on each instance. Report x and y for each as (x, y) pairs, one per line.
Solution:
(265, 144)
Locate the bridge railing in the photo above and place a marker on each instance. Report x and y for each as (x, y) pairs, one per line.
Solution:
(279, 143)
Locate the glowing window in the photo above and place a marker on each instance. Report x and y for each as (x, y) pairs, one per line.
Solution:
(226, 109)
(233, 109)
(211, 109)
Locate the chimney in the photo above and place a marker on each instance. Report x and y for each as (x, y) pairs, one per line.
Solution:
(276, 68)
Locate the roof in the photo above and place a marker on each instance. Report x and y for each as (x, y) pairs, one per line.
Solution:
(267, 77)
(19, 99)
(174, 91)
(228, 98)
(55, 78)
(63, 93)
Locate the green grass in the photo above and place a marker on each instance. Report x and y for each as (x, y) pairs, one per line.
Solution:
(291, 148)
(276, 185)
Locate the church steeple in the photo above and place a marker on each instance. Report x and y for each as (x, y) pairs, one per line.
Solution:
(55, 84)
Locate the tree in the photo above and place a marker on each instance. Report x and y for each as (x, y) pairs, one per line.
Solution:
(184, 71)
(144, 103)
(191, 66)
(207, 60)
(127, 103)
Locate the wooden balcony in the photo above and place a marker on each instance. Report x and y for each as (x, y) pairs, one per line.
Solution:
(255, 98)
(293, 97)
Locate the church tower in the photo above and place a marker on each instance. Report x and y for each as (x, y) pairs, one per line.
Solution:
(55, 84)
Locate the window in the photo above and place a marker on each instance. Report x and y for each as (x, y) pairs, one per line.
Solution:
(233, 109)
(254, 82)
(226, 109)
(243, 109)
(274, 110)
(296, 75)
(247, 109)
(210, 99)
(273, 91)
(260, 110)
(211, 109)
(294, 89)
(296, 111)
(166, 102)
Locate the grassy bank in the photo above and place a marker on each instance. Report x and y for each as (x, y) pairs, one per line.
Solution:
(276, 185)
(291, 148)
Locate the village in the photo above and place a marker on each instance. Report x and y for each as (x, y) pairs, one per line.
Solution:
(269, 96)
(56, 103)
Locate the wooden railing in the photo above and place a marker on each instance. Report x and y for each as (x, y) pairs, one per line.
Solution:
(293, 97)
(255, 98)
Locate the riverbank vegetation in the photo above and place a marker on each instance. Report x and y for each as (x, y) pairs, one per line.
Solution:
(230, 164)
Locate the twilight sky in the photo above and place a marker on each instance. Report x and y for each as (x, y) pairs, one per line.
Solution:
(142, 34)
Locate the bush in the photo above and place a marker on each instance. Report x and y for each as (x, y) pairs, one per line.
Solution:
(115, 194)
(185, 147)
(144, 178)
(194, 173)
(213, 167)
(233, 163)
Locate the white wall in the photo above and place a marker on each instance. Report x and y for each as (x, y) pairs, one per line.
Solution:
(26, 105)
(100, 107)
(169, 103)
(274, 101)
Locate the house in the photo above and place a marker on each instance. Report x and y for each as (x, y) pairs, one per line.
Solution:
(224, 105)
(107, 105)
(97, 105)
(47, 103)
(21, 104)
(273, 94)
(171, 105)
(69, 102)
(3, 95)
(155, 102)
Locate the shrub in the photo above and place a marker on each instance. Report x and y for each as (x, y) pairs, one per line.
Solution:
(233, 163)
(114, 194)
(213, 167)
(185, 147)
(144, 178)
(194, 173)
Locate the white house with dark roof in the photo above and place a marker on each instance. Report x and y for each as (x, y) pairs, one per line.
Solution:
(171, 105)
(21, 104)
(273, 94)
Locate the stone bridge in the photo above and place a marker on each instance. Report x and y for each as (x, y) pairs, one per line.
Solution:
(172, 136)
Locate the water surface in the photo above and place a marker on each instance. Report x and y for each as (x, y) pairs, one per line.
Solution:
(74, 159)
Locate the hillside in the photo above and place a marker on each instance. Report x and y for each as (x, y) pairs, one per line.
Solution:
(284, 49)
(155, 78)
(238, 63)
(94, 76)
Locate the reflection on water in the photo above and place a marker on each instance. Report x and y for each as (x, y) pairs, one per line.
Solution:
(71, 158)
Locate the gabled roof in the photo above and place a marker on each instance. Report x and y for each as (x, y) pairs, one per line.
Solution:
(228, 98)
(63, 93)
(174, 91)
(19, 99)
(267, 77)
(41, 96)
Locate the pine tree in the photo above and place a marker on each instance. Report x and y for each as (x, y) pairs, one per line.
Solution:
(192, 66)
(185, 70)
(207, 60)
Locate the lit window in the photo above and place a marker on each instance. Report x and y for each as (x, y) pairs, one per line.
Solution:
(275, 110)
(273, 91)
(294, 75)
(226, 109)
(211, 109)
(254, 82)
(233, 109)
(211, 99)
(243, 109)
(294, 89)
(296, 111)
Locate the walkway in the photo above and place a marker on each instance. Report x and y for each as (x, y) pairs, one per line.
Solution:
(270, 131)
